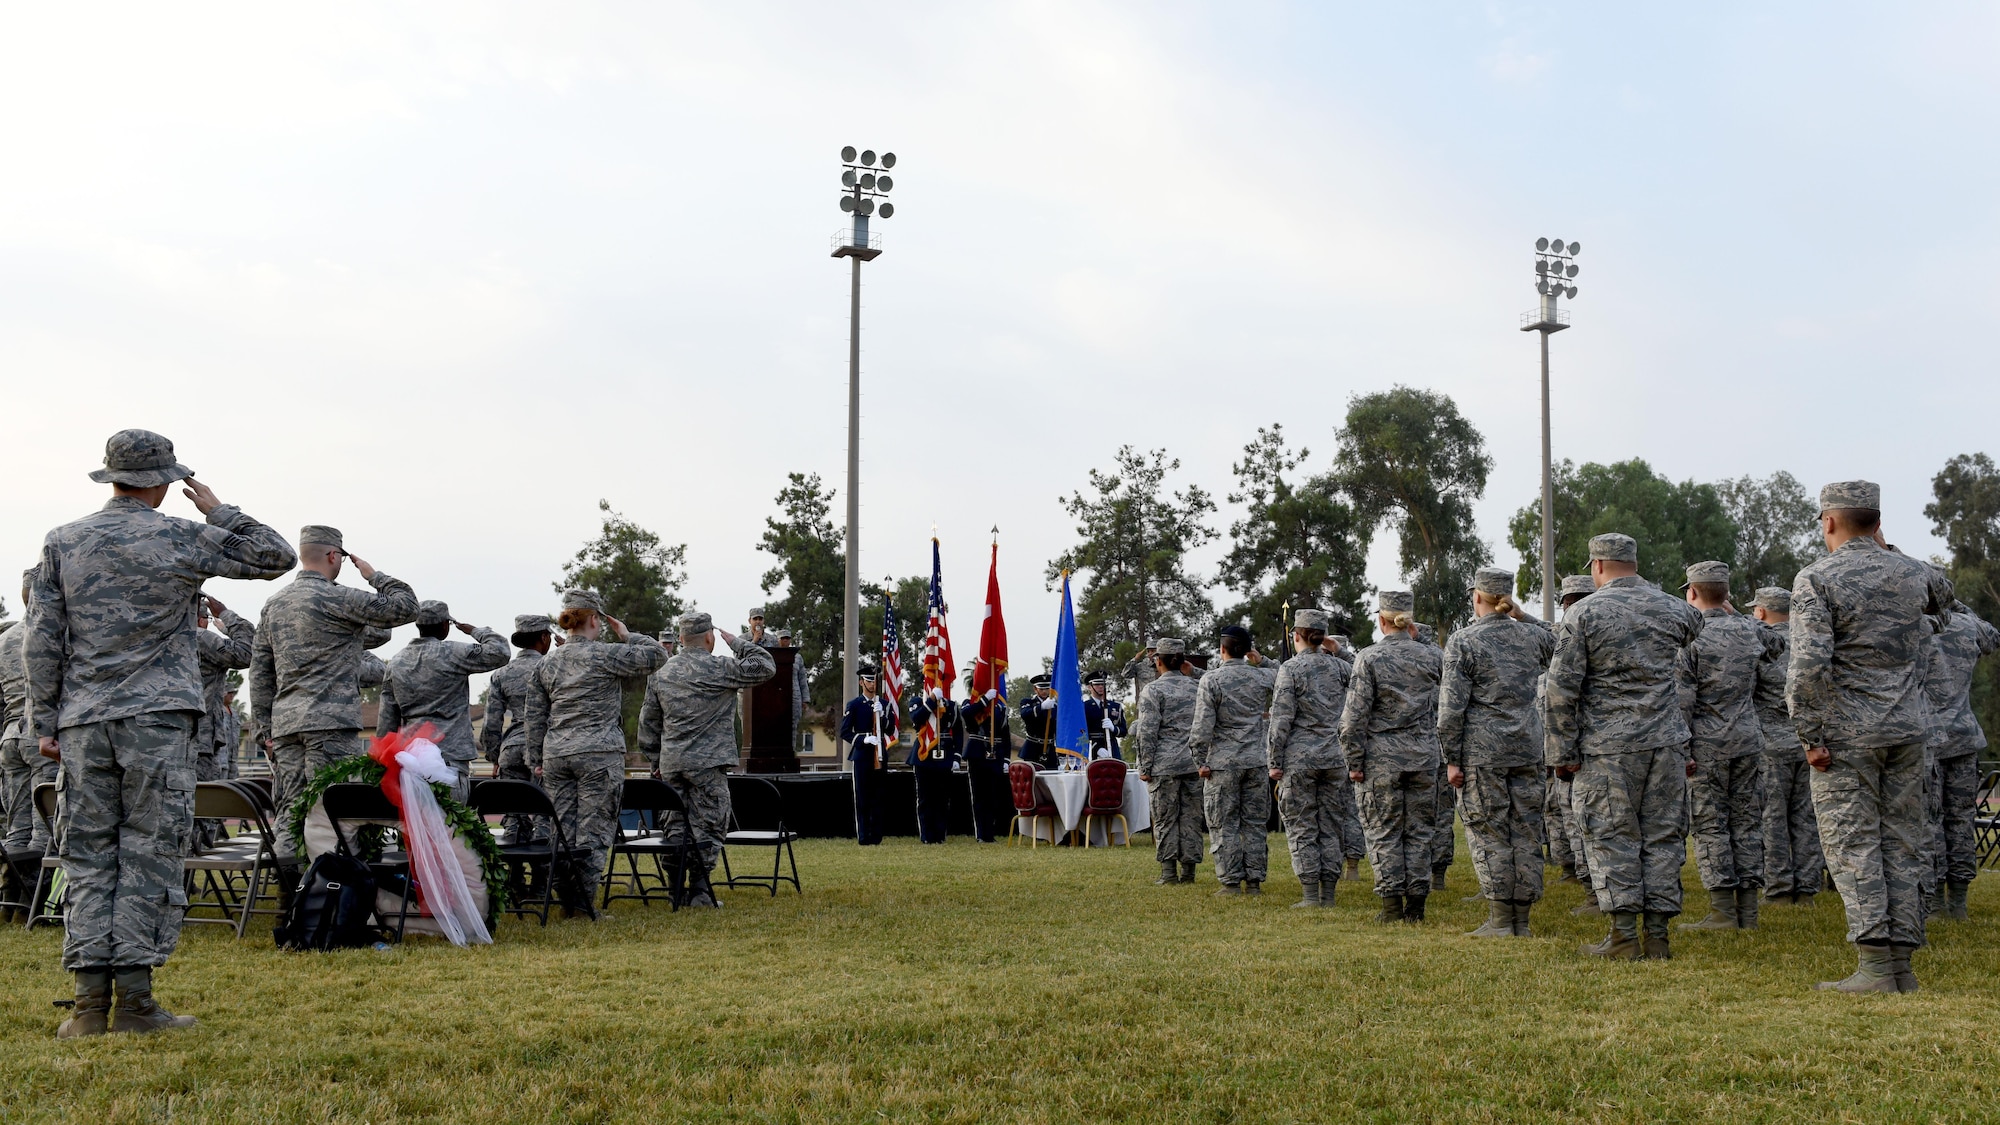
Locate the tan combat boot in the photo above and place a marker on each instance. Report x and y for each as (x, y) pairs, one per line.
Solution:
(1309, 896)
(1875, 972)
(93, 1003)
(1520, 926)
(1168, 875)
(1954, 901)
(1499, 920)
(1746, 908)
(136, 1011)
(1899, 961)
(1721, 911)
(1655, 945)
(1187, 871)
(1392, 909)
(1622, 943)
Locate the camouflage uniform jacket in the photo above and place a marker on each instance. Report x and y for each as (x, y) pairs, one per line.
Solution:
(306, 667)
(1781, 742)
(576, 696)
(1306, 702)
(1140, 673)
(428, 683)
(1487, 700)
(219, 652)
(1611, 685)
(111, 623)
(1955, 654)
(1166, 719)
(688, 721)
(507, 695)
(1391, 718)
(1716, 678)
(1228, 731)
(1862, 619)
(13, 681)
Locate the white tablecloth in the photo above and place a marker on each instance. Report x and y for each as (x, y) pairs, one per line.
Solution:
(1068, 790)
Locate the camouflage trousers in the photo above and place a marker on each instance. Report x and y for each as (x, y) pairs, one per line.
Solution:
(1792, 859)
(1502, 806)
(1444, 841)
(706, 794)
(1870, 805)
(1353, 841)
(295, 758)
(1555, 822)
(1726, 804)
(22, 767)
(1238, 807)
(1399, 813)
(1634, 810)
(1955, 781)
(587, 790)
(1176, 802)
(124, 821)
(513, 766)
(1309, 802)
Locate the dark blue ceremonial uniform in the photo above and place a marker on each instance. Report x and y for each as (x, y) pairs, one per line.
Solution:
(987, 748)
(934, 774)
(1093, 725)
(1038, 733)
(857, 725)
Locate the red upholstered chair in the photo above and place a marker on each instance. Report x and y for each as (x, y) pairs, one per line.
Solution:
(1021, 780)
(1105, 779)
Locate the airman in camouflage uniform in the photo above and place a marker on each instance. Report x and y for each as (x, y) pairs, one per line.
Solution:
(1444, 838)
(1615, 725)
(1564, 826)
(1227, 741)
(115, 690)
(1861, 623)
(430, 682)
(1792, 859)
(1166, 762)
(687, 727)
(1139, 672)
(1491, 737)
(1956, 740)
(576, 735)
(1306, 758)
(22, 766)
(1717, 683)
(306, 665)
(220, 653)
(1389, 732)
(1353, 841)
(503, 741)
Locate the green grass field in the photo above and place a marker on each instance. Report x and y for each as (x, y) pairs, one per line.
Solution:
(984, 983)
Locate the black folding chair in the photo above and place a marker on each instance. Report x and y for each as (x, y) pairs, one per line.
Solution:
(353, 802)
(1986, 820)
(507, 798)
(23, 874)
(212, 874)
(662, 836)
(43, 908)
(757, 820)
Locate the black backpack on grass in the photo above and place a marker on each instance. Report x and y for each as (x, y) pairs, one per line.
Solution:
(332, 907)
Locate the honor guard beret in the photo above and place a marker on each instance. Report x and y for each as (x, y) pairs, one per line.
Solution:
(1850, 494)
(433, 613)
(1710, 571)
(1309, 619)
(582, 599)
(1494, 581)
(1777, 599)
(323, 535)
(1613, 547)
(1396, 601)
(1170, 646)
(139, 459)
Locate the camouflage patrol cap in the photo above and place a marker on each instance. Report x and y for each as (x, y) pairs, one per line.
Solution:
(1613, 547)
(694, 622)
(531, 623)
(782, 634)
(1425, 633)
(139, 459)
(1494, 581)
(1578, 584)
(323, 535)
(1170, 646)
(1710, 571)
(582, 599)
(756, 611)
(1850, 494)
(1309, 619)
(433, 612)
(1777, 599)
(1396, 601)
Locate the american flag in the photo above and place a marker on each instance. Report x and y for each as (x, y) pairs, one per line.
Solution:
(939, 670)
(892, 655)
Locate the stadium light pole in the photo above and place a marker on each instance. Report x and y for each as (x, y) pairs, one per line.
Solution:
(1555, 268)
(863, 197)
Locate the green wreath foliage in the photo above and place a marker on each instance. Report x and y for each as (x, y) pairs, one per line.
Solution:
(465, 823)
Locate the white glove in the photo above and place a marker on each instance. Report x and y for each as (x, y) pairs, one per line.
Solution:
(1106, 723)
(992, 693)
(870, 740)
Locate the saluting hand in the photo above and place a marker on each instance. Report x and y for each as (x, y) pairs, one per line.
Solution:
(361, 564)
(215, 608)
(464, 628)
(202, 495)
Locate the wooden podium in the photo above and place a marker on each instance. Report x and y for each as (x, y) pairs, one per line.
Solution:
(769, 744)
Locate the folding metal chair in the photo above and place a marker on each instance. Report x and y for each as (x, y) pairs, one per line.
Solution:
(673, 853)
(757, 820)
(508, 797)
(351, 801)
(212, 874)
(47, 901)
(1986, 820)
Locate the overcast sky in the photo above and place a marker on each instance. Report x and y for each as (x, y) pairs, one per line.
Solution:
(445, 276)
